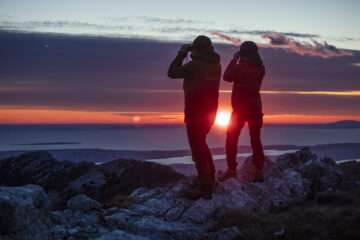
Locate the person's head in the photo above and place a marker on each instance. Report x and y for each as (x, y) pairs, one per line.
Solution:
(249, 52)
(202, 44)
(248, 48)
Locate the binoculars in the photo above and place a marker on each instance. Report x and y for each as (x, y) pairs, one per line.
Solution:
(188, 47)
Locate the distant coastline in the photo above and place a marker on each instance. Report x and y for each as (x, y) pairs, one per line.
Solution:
(344, 124)
(337, 151)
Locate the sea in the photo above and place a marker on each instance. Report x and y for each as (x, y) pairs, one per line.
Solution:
(153, 136)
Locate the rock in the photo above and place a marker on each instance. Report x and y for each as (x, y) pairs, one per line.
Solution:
(226, 234)
(155, 228)
(120, 235)
(279, 233)
(77, 225)
(286, 181)
(82, 203)
(63, 180)
(162, 213)
(247, 171)
(24, 213)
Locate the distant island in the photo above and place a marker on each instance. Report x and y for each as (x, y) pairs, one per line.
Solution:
(344, 124)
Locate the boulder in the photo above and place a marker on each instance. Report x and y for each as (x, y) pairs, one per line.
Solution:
(82, 203)
(24, 213)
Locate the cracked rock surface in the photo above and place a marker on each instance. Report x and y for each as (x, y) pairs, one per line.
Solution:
(162, 213)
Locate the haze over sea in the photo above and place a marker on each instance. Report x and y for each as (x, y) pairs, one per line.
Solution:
(155, 137)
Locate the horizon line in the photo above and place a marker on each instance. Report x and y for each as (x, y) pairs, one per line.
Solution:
(132, 123)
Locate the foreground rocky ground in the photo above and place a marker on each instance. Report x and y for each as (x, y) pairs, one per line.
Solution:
(29, 212)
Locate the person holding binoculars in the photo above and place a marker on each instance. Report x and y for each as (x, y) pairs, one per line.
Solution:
(201, 87)
(246, 71)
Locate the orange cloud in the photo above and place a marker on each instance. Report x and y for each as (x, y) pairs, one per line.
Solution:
(49, 116)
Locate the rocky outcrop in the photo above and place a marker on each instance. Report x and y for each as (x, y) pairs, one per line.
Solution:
(24, 213)
(62, 180)
(82, 203)
(162, 212)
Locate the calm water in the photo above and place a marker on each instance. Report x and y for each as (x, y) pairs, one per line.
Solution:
(130, 137)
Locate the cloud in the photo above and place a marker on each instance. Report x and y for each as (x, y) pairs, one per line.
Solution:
(129, 75)
(179, 30)
(171, 21)
(235, 41)
(277, 40)
(315, 48)
(262, 32)
(61, 25)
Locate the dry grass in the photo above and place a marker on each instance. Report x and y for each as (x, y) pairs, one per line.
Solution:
(330, 215)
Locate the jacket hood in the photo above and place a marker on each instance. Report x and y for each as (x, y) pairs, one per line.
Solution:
(254, 58)
(209, 56)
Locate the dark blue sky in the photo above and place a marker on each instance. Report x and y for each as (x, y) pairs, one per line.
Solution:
(81, 73)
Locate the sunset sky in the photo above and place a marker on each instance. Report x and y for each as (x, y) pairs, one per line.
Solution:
(107, 61)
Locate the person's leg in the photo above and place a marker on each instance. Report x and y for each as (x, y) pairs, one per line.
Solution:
(200, 152)
(210, 162)
(255, 124)
(237, 122)
(207, 152)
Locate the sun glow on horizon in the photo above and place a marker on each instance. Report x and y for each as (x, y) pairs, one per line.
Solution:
(57, 116)
(222, 118)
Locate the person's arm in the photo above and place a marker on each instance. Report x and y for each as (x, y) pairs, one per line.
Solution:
(229, 73)
(176, 69)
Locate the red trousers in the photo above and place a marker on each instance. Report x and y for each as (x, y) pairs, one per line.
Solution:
(237, 122)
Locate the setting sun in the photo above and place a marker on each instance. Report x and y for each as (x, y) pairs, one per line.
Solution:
(222, 119)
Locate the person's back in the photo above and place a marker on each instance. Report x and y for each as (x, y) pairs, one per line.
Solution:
(247, 76)
(201, 87)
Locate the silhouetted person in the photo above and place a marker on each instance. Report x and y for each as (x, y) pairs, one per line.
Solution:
(246, 71)
(201, 86)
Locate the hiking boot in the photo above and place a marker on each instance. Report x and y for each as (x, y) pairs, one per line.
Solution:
(197, 192)
(229, 173)
(202, 189)
(259, 177)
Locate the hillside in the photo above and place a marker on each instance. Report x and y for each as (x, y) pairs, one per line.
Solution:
(301, 197)
(62, 180)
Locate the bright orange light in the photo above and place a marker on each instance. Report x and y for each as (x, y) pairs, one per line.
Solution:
(222, 119)
(136, 118)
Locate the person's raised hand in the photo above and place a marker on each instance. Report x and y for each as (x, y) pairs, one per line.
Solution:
(236, 55)
(185, 48)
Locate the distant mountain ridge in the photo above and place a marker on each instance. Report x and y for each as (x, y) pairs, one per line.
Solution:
(344, 124)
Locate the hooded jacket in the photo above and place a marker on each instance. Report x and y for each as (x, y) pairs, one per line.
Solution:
(247, 78)
(201, 84)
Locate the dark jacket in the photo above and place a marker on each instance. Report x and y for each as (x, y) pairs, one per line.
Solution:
(201, 85)
(247, 78)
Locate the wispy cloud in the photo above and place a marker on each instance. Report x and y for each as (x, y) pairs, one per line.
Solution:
(177, 29)
(315, 48)
(235, 41)
(277, 40)
(262, 32)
